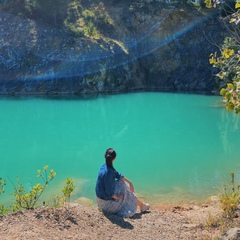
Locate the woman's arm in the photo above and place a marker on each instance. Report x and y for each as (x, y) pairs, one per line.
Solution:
(120, 197)
(130, 183)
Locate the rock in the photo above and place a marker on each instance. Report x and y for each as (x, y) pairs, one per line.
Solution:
(232, 234)
(213, 199)
(189, 225)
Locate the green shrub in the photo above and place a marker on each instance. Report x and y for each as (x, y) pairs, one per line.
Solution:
(3, 210)
(28, 199)
(230, 198)
(68, 189)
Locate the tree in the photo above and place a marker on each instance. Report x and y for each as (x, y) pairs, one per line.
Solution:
(229, 62)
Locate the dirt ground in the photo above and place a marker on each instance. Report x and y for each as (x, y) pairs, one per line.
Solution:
(87, 222)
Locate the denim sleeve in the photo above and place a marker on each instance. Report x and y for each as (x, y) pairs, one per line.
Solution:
(118, 175)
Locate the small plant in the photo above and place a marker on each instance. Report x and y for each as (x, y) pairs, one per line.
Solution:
(3, 210)
(57, 201)
(2, 184)
(27, 200)
(91, 30)
(230, 198)
(68, 189)
(212, 222)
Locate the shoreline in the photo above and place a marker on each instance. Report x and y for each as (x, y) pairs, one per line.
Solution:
(87, 222)
(156, 205)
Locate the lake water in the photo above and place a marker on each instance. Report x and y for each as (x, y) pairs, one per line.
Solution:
(174, 147)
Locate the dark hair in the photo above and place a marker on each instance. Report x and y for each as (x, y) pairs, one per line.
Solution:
(110, 154)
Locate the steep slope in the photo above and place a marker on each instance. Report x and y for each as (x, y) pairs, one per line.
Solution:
(74, 47)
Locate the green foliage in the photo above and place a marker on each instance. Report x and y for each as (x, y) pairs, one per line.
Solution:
(229, 201)
(230, 198)
(57, 201)
(28, 199)
(208, 3)
(229, 64)
(91, 30)
(2, 184)
(68, 188)
(88, 19)
(212, 222)
(3, 210)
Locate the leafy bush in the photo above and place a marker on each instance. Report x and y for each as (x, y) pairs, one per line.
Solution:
(230, 198)
(229, 63)
(27, 200)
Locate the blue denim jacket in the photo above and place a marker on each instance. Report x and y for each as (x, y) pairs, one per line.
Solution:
(106, 181)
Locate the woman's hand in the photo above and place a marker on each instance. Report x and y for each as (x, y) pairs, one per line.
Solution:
(118, 197)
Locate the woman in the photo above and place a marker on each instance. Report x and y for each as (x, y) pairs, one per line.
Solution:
(115, 193)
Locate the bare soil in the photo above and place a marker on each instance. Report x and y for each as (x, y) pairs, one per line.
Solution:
(87, 222)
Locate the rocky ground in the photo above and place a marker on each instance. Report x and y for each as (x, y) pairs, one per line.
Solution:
(87, 222)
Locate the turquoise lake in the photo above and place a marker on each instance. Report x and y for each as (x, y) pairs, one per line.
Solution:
(173, 147)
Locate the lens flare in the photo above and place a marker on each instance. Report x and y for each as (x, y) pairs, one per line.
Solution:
(24, 38)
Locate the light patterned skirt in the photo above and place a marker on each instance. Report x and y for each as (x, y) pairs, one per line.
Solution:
(123, 208)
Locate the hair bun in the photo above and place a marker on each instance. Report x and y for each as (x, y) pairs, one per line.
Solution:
(110, 154)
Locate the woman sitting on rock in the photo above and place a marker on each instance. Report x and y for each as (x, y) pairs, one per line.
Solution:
(115, 193)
